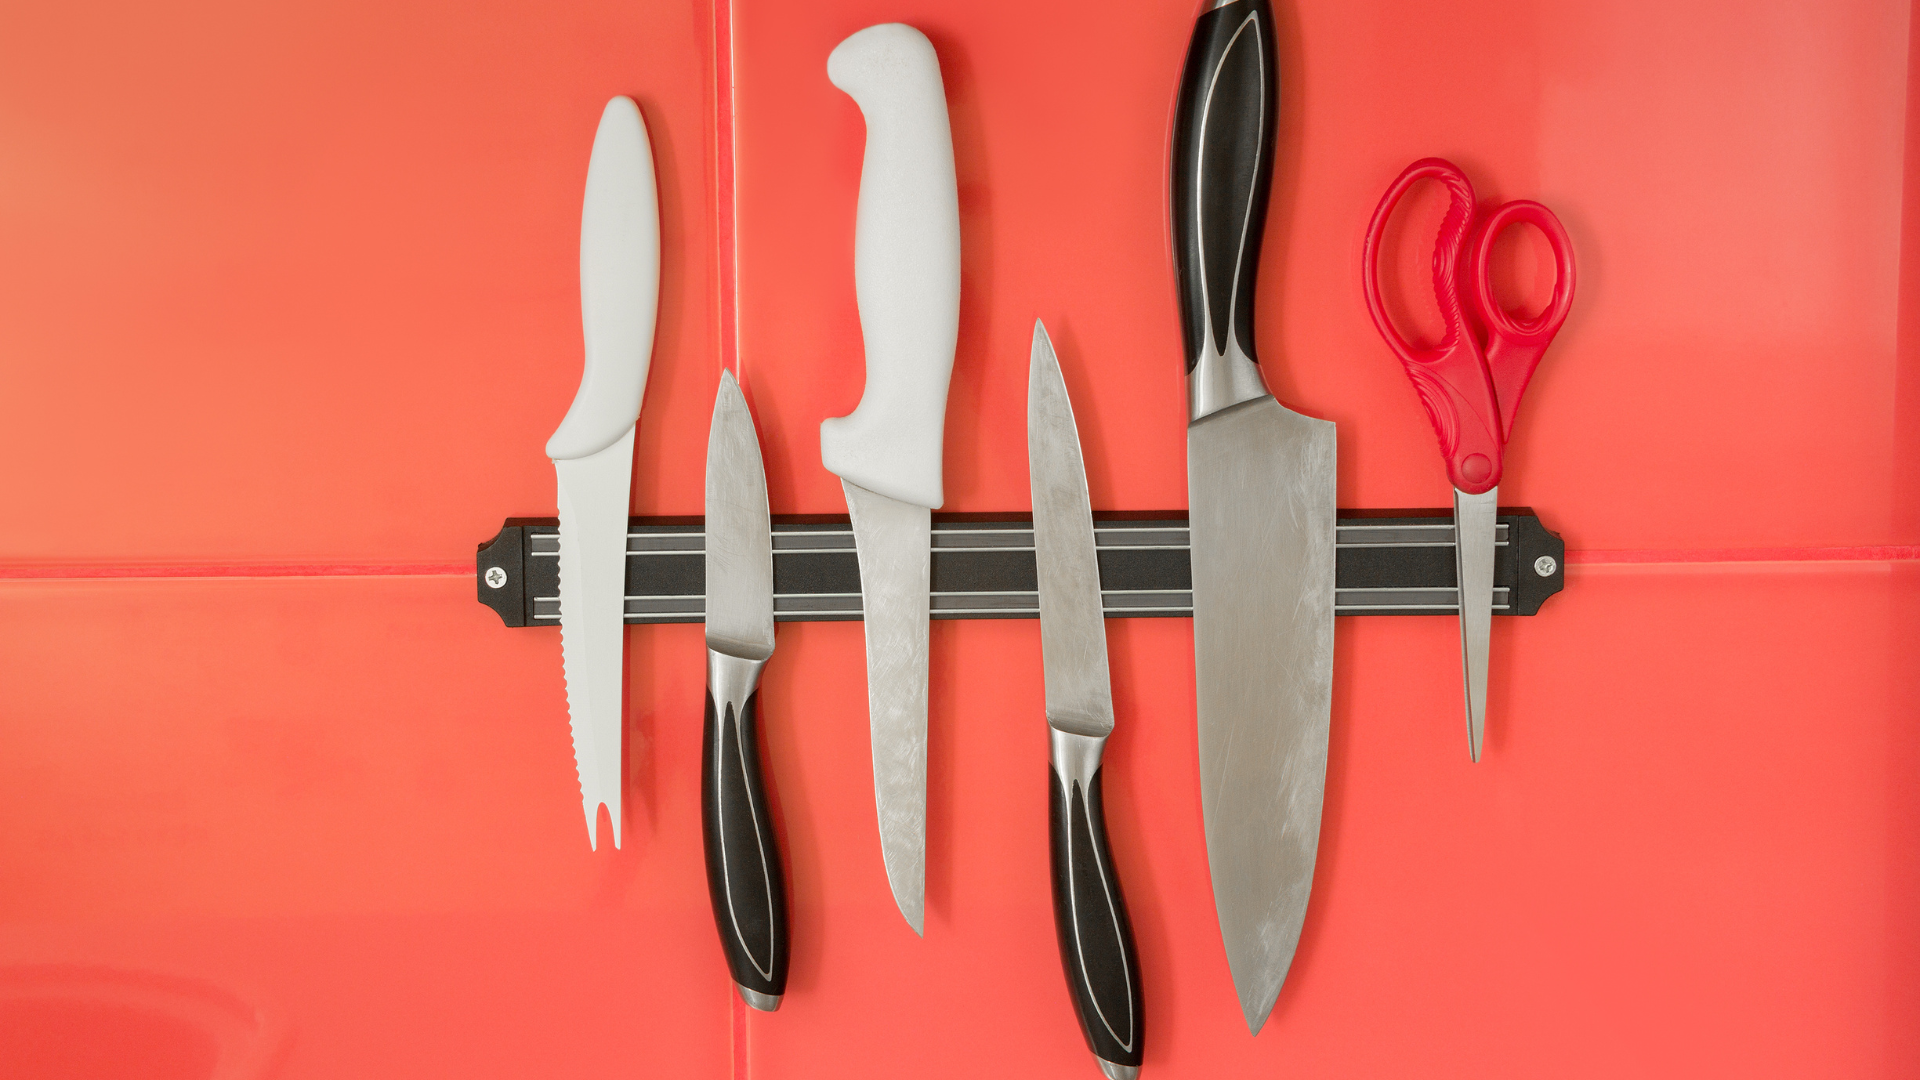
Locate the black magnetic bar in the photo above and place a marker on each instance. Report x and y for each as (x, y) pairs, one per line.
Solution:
(1386, 563)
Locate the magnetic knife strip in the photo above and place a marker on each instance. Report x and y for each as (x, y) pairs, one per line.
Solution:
(1386, 563)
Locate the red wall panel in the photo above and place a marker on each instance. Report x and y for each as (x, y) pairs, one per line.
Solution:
(288, 297)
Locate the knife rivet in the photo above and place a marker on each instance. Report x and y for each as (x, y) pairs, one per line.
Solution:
(1544, 566)
(497, 577)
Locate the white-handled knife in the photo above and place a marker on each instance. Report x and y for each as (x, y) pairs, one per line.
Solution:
(593, 449)
(887, 453)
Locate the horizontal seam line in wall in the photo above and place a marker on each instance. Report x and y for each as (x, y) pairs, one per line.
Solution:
(1578, 557)
(1629, 556)
(235, 570)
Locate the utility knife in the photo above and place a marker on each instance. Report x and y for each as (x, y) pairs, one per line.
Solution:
(593, 449)
(1260, 490)
(906, 270)
(1096, 941)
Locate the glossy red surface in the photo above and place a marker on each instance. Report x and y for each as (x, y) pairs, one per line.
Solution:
(288, 298)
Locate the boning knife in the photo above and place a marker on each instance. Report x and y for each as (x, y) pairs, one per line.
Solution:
(906, 262)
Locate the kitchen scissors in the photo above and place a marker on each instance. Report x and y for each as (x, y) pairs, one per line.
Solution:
(1471, 380)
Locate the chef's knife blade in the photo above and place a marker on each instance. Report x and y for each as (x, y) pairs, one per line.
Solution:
(1090, 916)
(1260, 482)
(592, 450)
(887, 452)
(744, 876)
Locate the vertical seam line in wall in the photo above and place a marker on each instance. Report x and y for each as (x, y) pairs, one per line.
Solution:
(738, 1030)
(726, 235)
(727, 266)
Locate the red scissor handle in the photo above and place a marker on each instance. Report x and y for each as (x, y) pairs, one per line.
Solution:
(1514, 346)
(1450, 377)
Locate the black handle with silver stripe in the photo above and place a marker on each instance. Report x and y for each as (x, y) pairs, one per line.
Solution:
(744, 877)
(1096, 941)
(1223, 145)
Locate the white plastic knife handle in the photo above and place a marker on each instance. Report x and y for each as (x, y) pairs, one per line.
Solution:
(906, 267)
(619, 285)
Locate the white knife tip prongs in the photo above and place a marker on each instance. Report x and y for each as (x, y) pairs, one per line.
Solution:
(593, 823)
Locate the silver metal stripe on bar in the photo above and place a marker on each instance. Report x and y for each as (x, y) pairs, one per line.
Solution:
(1147, 537)
(1114, 602)
(1439, 535)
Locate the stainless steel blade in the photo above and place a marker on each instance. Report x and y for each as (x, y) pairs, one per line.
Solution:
(1475, 518)
(1260, 481)
(894, 540)
(593, 498)
(1073, 631)
(739, 531)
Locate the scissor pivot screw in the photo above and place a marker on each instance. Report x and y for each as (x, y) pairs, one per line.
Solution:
(1544, 566)
(497, 577)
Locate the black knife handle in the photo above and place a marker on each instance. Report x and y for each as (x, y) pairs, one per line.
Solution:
(744, 876)
(1223, 144)
(1096, 941)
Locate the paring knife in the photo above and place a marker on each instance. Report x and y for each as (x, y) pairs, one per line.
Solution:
(744, 877)
(1260, 484)
(906, 263)
(593, 449)
(1096, 942)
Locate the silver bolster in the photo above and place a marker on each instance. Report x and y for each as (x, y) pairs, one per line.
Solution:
(757, 1000)
(1221, 379)
(731, 680)
(1075, 757)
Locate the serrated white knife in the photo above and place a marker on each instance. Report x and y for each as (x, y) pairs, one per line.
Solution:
(593, 449)
(906, 269)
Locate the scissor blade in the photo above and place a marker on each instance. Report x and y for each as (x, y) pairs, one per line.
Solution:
(1260, 481)
(739, 543)
(893, 540)
(593, 494)
(1474, 521)
(1073, 634)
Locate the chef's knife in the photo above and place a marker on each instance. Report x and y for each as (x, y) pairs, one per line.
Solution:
(1096, 943)
(906, 269)
(1260, 484)
(592, 451)
(744, 877)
